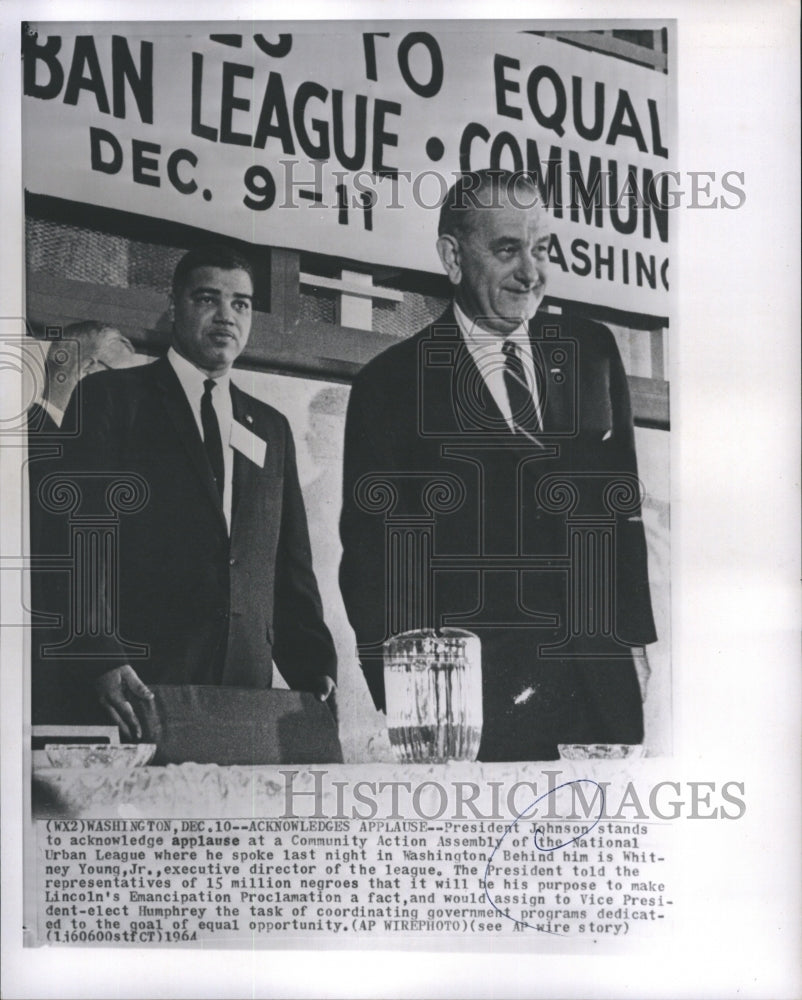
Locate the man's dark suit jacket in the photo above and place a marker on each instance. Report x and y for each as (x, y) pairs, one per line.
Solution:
(40, 421)
(203, 607)
(421, 413)
(46, 539)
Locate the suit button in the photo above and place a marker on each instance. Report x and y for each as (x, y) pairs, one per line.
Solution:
(232, 561)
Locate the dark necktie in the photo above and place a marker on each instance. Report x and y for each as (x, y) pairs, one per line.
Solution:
(211, 436)
(522, 404)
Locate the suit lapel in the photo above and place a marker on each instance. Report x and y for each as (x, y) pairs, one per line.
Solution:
(475, 397)
(469, 406)
(179, 412)
(556, 377)
(244, 469)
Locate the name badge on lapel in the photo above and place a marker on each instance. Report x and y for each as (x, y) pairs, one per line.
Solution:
(248, 443)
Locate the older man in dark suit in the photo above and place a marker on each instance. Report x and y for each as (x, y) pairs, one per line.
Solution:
(506, 439)
(214, 577)
(84, 347)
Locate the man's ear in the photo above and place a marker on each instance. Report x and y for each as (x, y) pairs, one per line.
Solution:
(448, 249)
(171, 307)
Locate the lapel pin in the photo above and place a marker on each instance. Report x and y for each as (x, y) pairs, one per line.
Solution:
(249, 418)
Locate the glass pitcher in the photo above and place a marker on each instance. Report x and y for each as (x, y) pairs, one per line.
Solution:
(433, 688)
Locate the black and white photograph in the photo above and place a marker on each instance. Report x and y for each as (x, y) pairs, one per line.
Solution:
(364, 278)
(379, 576)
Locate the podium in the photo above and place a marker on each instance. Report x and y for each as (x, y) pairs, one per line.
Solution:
(230, 725)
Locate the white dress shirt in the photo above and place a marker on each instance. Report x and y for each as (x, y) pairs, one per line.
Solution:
(486, 349)
(192, 379)
(55, 414)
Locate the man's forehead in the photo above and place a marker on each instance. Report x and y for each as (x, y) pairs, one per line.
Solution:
(235, 279)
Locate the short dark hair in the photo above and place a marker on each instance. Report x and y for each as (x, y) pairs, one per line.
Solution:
(212, 255)
(478, 189)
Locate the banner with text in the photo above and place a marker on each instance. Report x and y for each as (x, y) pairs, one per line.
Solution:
(258, 133)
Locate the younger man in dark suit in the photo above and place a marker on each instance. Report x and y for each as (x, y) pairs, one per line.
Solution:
(213, 577)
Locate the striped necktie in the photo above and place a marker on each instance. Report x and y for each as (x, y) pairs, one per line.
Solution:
(522, 403)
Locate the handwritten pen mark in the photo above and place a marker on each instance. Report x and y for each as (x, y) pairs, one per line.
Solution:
(545, 850)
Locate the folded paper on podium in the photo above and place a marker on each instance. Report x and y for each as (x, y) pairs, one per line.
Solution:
(226, 725)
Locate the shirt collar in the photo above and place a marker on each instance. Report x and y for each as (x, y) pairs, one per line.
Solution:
(478, 339)
(192, 378)
(55, 414)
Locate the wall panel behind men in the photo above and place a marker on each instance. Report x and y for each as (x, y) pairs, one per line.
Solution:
(316, 412)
